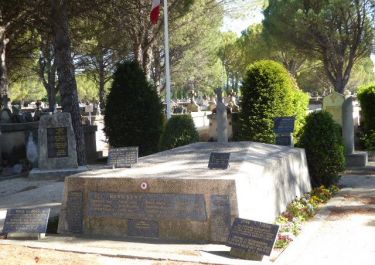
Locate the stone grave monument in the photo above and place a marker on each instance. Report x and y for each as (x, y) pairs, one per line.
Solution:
(333, 104)
(221, 118)
(173, 195)
(353, 158)
(341, 109)
(57, 147)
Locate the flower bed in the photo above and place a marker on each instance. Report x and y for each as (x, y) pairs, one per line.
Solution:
(300, 210)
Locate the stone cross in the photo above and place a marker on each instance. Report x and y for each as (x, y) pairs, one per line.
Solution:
(221, 118)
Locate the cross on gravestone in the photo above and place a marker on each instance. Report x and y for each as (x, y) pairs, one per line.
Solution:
(221, 117)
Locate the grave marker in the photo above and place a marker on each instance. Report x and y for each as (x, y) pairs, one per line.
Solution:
(218, 160)
(284, 128)
(252, 237)
(123, 156)
(56, 140)
(26, 222)
(284, 125)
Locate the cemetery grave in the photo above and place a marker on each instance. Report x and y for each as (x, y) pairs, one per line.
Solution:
(173, 195)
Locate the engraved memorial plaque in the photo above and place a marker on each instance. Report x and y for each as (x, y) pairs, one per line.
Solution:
(218, 160)
(123, 157)
(74, 212)
(220, 217)
(284, 125)
(57, 142)
(252, 236)
(26, 220)
(143, 228)
(147, 206)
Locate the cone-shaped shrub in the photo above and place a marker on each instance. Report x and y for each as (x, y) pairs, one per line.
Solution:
(133, 114)
(321, 138)
(268, 92)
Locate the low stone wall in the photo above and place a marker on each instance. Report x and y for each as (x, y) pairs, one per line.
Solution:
(173, 195)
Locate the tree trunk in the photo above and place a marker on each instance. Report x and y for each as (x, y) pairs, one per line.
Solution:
(3, 68)
(101, 81)
(65, 72)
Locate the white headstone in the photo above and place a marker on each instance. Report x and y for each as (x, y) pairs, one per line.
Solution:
(221, 118)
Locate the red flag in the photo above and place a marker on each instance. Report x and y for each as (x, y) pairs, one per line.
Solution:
(155, 10)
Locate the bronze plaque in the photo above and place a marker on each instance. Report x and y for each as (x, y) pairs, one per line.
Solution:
(57, 142)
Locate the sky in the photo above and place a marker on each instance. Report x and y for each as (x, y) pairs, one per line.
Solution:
(240, 24)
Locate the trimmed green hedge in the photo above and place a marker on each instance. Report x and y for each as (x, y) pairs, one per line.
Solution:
(179, 130)
(133, 114)
(321, 138)
(366, 97)
(268, 92)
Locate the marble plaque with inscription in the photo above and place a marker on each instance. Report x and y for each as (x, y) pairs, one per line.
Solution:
(143, 228)
(219, 160)
(75, 212)
(252, 236)
(284, 124)
(123, 157)
(57, 142)
(147, 206)
(220, 218)
(26, 220)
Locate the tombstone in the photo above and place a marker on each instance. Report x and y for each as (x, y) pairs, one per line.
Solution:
(333, 104)
(192, 106)
(251, 239)
(57, 143)
(353, 158)
(284, 128)
(172, 195)
(89, 108)
(26, 223)
(232, 104)
(221, 118)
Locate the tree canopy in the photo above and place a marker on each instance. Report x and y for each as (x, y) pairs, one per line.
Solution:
(338, 33)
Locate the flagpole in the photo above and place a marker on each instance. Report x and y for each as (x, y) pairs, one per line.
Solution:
(167, 70)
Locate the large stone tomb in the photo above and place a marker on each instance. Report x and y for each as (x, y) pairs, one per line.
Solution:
(173, 195)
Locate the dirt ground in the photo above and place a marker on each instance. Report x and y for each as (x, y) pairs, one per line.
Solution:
(20, 255)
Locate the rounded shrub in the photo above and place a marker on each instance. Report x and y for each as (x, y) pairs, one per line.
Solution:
(179, 130)
(268, 92)
(133, 114)
(366, 97)
(321, 138)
